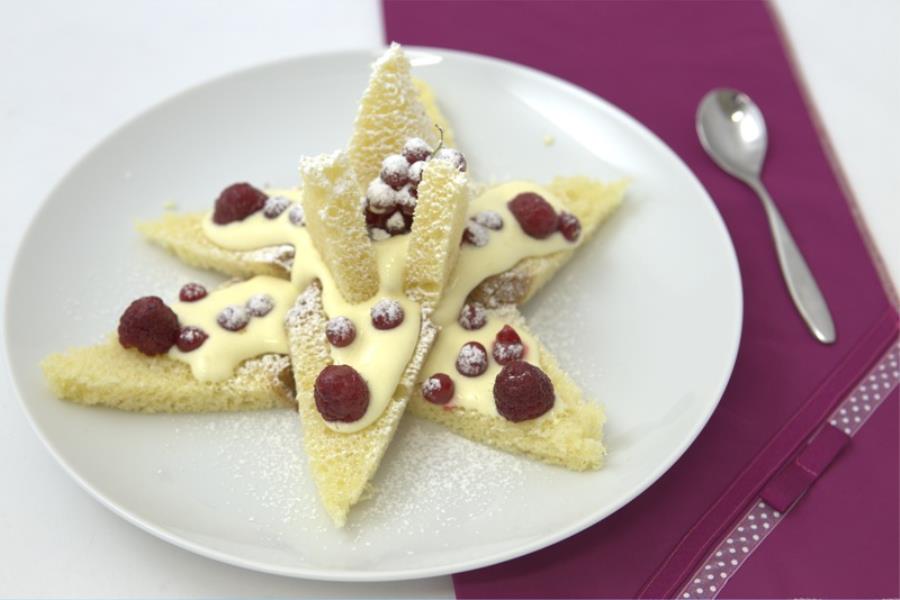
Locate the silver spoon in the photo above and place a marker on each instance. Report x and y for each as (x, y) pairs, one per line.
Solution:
(733, 132)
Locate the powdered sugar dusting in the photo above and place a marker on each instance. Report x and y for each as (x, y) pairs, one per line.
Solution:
(395, 223)
(233, 317)
(379, 234)
(381, 196)
(275, 205)
(297, 216)
(431, 385)
(472, 359)
(476, 234)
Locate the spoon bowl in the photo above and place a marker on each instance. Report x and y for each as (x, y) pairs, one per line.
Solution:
(733, 131)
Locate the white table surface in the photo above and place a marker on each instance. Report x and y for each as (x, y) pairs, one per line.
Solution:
(73, 72)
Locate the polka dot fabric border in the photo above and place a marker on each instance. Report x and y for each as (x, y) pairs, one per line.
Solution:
(761, 519)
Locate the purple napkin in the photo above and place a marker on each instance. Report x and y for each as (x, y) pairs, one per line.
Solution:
(656, 60)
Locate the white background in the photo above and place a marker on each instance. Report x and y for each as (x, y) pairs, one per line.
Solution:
(70, 73)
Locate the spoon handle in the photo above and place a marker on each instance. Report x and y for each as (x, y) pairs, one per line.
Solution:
(800, 282)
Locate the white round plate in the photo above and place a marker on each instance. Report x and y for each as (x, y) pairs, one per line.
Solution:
(647, 318)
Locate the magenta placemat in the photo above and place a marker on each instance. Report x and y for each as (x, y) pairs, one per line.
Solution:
(656, 60)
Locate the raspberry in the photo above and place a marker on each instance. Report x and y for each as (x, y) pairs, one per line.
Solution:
(534, 214)
(395, 171)
(453, 156)
(191, 292)
(341, 394)
(490, 219)
(233, 317)
(340, 331)
(438, 389)
(472, 359)
(190, 338)
(472, 316)
(415, 172)
(237, 202)
(416, 150)
(569, 226)
(522, 392)
(476, 235)
(260, 305)
(148, 325)
(274, 206)
(381, 197)
(387, 314)
(296, 216)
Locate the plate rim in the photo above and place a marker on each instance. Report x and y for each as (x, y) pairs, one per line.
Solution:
(344, 575)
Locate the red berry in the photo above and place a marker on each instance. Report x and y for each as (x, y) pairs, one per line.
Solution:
(476, 235)
(341, 394)
(569, 226)
(259, 305)
(340, 331)
(237, 202)
(534, 214)
(472, 316)
(191, 292)
(415, 150)
(395, 171)
(508, 335)
(148, 325)
(296, 215)
(490, 219)
(438, 389)
(190, 338)
(387, 314)
(522, 392)
(472, 359)
(274, 206)
(233, 317)
(453, 156)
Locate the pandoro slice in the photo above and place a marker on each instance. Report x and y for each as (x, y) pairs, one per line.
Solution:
(110, 375)
(568, 436)
(436, 231)
(342, 464)
(390, 112)
(182, 235)
(336, 225)
(592, 201)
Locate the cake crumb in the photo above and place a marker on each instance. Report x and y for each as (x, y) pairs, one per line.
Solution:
(169, 205)
(549, 140)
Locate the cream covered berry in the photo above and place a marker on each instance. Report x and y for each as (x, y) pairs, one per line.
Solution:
(472, 359)
(387, 314)
(149, 326)
(191, 292)
(536, 216)
(438, 389)
(340, 331)
(237, 202)
(341, 394)
(522, 392)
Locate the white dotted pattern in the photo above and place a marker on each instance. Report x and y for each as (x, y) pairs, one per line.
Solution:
(761, 519)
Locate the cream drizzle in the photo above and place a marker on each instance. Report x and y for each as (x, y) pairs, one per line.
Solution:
(381, 356)
(505, 249)
(218, 356)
